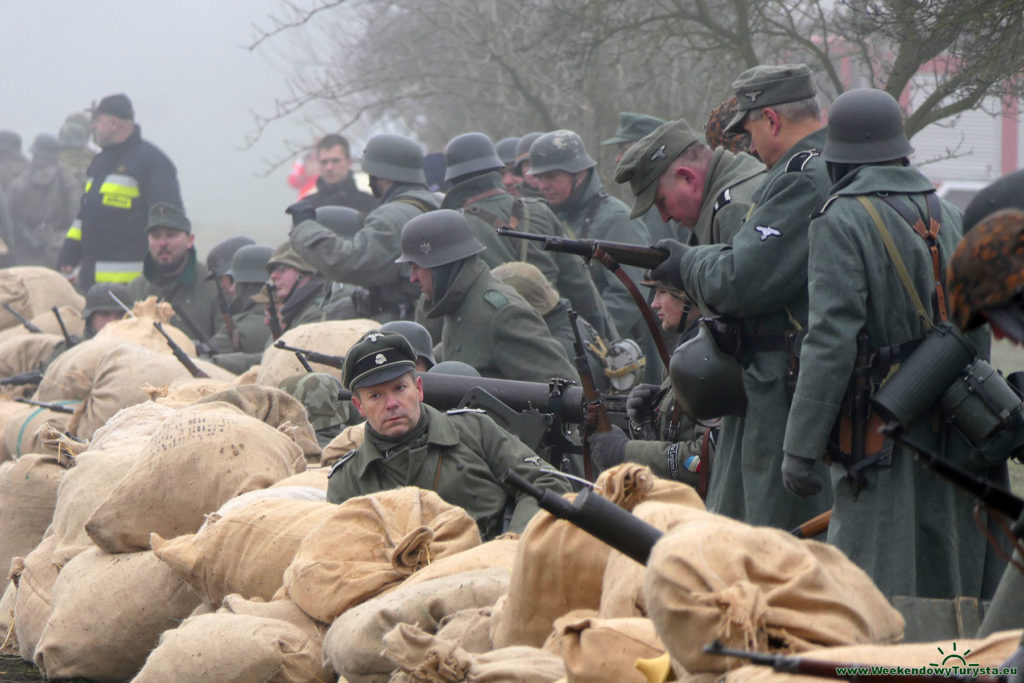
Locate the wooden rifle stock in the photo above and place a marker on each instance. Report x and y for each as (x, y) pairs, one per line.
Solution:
(275, 322)
(814, 526)
(595, 404)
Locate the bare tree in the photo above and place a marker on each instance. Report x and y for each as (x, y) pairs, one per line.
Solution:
(438, 68)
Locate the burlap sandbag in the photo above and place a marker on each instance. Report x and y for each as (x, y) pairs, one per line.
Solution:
(277, 408)
(26, 352)
(559, 568)
(353, 642)
(11, 412)
(186, 391)
(349, 439)
(285, 610)
(597, 650)
(991, 651)
(315, 477)
(8, 641)
(247, 377)
(121, 379)
(71, 374)
(622, 591)
(235, 648)
(32, 290)
(82, 489)
(388, 536)
(500, 552)
(425, 658)
(757, 588)
(34, 575)
(47, 322)
(28, 496)
(22, 430)
(333, 337)
(275, 492)
(135, 421)
(202, 457)
(245, 551)
(629, 484)
(470, 629)
(108, 612)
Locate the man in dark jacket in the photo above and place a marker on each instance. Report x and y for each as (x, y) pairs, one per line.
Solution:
(335, 186)
(107, 241)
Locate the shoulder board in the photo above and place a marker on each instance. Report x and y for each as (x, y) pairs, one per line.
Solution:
(799, 161)
(341, 461)
(462, 411)
(723, 200)
(824, 207)
(495, 298)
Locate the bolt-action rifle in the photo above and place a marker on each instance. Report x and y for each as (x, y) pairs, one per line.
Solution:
(595, 406)
(612, 256)
(312, 356)
(55, 407)
(30, 377)
(204, 345)
(28, 324)
(275, 322)
(179, 352)
(69, 339)
(225, 315)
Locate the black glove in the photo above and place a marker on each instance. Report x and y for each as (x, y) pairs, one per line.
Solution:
(797, 476)
(302, 210)
(607, 449)
(668, 270)
(640, 404)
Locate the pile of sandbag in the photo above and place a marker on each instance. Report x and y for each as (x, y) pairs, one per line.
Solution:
(32, 291)
(333, 337)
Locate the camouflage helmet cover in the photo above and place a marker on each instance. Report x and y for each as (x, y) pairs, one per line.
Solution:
(986, 273)
(715, 129)
(318, 394)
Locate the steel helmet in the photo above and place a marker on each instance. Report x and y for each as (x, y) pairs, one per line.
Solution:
(470, 153)
(343, 221)
(506, 150)
(248, 265)
(523, 148)
(706, 382)
(454, 367)
(417, 335)
(865, 126)
(218, 261)
(394, 157)
(437, 238)
(559, 150)
(98, 298)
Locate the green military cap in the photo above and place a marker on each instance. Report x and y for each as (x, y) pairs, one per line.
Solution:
(644, 162)
(286, 255)
(765, 85)
(167, 215)
(377, 358)
(632, 127)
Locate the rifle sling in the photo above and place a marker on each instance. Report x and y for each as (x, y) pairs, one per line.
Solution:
(897, 261)
(652, 325)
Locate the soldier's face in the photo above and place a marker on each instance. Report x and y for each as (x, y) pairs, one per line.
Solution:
(169, 247)
(622, 147)
(668, 307)
(284, 278)
(680, 195)
(510, 180)
(334, 164)
(100, 319)
(424, 278)
(391, 408)
(764, 137)
(556, 186)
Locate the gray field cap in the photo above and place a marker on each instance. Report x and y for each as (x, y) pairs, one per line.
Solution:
(765, 85)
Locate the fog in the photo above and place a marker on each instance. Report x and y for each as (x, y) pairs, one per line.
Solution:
(193, 84)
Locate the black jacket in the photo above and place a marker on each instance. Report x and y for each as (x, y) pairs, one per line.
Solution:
(123, 181)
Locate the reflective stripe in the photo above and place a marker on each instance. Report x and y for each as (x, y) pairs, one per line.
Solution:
(118, 271)
(88, 184)
(119, 190)
(75, 231)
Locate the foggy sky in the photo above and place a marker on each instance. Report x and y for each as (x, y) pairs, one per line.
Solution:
(193, 85)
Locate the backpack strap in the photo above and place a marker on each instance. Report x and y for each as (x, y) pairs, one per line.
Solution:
(897, 261)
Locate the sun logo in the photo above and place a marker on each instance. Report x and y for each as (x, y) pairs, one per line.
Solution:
(953, 655)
